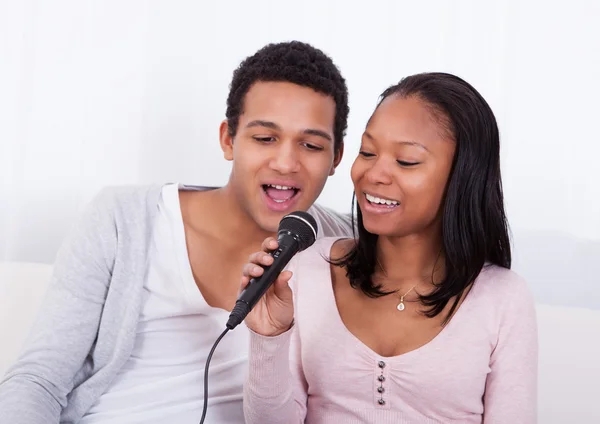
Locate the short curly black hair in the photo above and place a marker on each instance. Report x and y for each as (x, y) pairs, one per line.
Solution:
(295, 62)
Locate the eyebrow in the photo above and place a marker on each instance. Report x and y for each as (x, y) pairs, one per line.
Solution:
(274, 126)
(405, 142)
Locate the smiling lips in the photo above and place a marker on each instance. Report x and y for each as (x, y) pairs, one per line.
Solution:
(381, 200)
(378, 204)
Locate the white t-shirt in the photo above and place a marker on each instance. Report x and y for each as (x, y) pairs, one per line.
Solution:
(163, 380)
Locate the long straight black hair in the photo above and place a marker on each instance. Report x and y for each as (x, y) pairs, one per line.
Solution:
(474, 224)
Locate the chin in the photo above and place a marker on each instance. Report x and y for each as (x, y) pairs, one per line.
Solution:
(381, 230)
(270, 224)
(375, 229)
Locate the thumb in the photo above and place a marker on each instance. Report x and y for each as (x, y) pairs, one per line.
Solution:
(281, 286)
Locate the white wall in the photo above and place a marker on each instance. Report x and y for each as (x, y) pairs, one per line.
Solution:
(95, 93)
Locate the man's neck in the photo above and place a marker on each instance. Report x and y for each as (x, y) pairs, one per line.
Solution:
(219, 212)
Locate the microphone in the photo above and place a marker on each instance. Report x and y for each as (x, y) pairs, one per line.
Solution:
(297, 231)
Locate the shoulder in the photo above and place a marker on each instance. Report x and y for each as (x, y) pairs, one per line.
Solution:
(127, 203)
(114, 208)
(126, 196)
(326, 247)
(494, 281)
(503, 293)
(330, 222)
(311, 267)
(315, 256)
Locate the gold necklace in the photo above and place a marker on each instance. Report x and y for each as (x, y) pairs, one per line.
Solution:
(401, 306)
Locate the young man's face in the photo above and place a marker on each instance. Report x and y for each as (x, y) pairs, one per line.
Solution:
(283, 150)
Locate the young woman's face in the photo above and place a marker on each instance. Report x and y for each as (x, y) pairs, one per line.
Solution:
(402, 170)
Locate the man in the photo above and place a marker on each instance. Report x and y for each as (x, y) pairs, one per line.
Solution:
(143, 286)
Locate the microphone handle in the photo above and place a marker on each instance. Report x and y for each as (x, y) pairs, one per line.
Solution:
(257, 287)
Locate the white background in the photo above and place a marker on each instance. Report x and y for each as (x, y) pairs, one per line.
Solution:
(96, 93)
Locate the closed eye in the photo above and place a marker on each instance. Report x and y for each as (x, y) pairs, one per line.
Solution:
(366, 154)
(264, 139)
(314, 147)
(405, 163)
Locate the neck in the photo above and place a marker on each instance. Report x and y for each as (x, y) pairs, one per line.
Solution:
(410, 260)
(231, 222)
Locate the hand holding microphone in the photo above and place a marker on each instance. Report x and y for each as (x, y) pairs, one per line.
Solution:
(274, 312)
(266, 301)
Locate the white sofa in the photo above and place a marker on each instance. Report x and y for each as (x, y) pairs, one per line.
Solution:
(569, 381)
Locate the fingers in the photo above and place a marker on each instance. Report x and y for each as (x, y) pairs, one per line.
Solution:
(260, 258)
(250, 271)
(281, 287)
(254, 267)
(243, 283)
(284, 278)
(256, 262)
(269, 244)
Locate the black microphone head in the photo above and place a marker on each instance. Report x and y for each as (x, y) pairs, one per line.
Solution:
(302, 225)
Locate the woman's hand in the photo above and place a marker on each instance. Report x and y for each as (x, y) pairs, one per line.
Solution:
(274, 312)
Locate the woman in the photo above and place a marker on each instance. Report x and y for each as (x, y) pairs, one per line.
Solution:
(418, 320)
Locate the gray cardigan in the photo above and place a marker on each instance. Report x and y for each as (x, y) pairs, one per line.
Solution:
(86, 328)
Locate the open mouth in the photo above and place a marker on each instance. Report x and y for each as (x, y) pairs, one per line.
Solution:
(381, 202)
(280, 193)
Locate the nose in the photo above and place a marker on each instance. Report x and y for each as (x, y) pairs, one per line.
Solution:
(379, 172)
(285, 158)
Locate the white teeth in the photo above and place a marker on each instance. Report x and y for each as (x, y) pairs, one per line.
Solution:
(280, 187)
(381, 201)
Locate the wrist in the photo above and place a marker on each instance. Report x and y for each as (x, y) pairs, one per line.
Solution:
(283, 330)
(271, 332)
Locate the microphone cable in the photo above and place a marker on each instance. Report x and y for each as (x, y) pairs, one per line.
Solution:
(205, 408)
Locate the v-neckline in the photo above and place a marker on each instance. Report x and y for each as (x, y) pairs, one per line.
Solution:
(403, 357)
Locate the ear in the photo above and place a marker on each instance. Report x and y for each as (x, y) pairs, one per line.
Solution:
(226, 141)
(337, 158)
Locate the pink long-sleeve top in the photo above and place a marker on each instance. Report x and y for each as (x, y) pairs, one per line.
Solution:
(481, 368)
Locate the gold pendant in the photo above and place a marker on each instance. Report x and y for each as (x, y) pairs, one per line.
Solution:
(400, 306)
